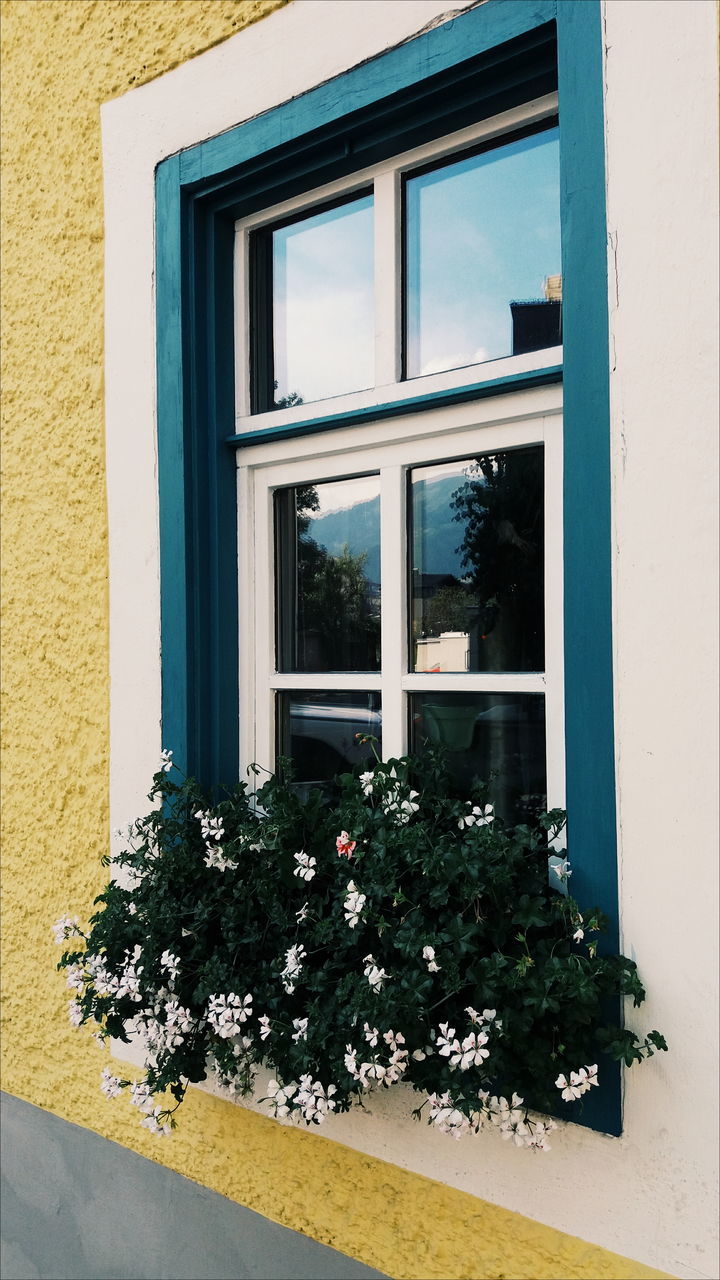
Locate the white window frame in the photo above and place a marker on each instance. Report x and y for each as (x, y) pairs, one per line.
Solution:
(386, 182)
(531, 417)
(413, 439)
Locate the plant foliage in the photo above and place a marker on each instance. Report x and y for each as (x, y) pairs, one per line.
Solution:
(397, 934)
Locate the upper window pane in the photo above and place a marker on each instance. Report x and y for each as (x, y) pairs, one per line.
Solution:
(323, 312)
(328, 576)
(477, 563)
(483, 256)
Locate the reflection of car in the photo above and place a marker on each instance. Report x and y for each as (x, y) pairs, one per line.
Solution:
(323, 733)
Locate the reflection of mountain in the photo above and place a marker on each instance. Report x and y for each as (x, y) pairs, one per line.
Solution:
(359, 529)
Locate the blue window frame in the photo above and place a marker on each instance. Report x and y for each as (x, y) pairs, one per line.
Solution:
(488, 59)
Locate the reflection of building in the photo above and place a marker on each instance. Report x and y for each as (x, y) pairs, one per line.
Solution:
(447, 652)
(552, 288)
(538, 322)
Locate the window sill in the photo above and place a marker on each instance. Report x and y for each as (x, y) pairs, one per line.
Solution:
(434, 391)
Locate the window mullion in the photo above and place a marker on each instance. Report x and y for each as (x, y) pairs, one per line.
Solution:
(554, 666)
(393, 605)
(264, 623)
(388, 283)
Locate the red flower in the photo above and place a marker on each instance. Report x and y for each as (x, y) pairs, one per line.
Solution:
(345, 845)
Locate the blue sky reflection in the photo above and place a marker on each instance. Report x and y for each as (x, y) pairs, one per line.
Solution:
(481, 233)
(323, 303)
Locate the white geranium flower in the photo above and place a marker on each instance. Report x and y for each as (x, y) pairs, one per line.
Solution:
(314, 1100)
(280, 1098)
(111, 1085)
(429, 957)
(66, 927)
(302, 913)
(366, 782)
(75, 1013)
(216, 858)
(446, 1116)
(305, 868)
(537, 1139)
(471, 1053)
(211, 828)
(74, 977)
(400, 807)
(141, 1095)
(354, 903)
(477, 816)
(508, 1115)
(264, 1026)
(375, 976)
(301, 1026)
(446, 1043)
(171, 964)
(562, 869)
(166, 761)
(153, 1121)
(226, 1014)
(573, 1088)
(293, 966)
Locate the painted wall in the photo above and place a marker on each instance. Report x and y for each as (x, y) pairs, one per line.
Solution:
(648, 1195)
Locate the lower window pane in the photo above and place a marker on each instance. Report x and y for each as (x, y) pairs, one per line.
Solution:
(318, 730)
(498, 738)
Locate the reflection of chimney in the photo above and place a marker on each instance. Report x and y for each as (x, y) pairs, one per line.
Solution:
(535, 325)
(552, 288)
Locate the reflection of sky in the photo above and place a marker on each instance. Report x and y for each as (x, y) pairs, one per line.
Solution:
(323, 302)
(481, 232)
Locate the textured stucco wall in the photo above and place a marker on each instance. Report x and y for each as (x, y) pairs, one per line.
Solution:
(62, 59)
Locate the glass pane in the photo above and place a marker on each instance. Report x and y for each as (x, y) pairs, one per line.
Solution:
(483, 257)
(323, 316)
(477, 564)
(498, 738)
(328, 575)
(318, 730)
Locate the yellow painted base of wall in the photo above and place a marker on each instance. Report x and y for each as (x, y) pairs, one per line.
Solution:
(407, 1226)
(61, 60)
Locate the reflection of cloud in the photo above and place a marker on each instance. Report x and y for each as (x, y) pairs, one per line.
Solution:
(482, 232)
(457, 360)
(339, 495)
(324, 342)
(323, 302)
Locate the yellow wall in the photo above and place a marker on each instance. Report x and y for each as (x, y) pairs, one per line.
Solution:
(61, 60)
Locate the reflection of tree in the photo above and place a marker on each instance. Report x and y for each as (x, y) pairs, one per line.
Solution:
(448, 609)
(500, 506)
(285, 402)
(338, 621)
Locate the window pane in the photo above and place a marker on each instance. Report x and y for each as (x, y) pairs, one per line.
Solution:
(477, 564)
(483, 256)
(498, 738)
(323, 318)
(317, 730)
(328, 575)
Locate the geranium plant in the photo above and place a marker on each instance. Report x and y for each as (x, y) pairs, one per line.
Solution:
(394, 934)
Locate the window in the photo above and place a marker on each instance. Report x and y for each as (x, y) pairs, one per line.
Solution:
(485, 80)
(385, 602)
(406, 587)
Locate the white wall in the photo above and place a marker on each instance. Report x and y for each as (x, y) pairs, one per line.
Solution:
(649, 1194)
